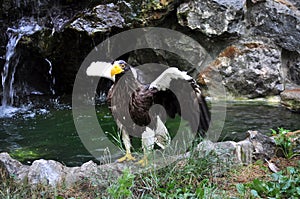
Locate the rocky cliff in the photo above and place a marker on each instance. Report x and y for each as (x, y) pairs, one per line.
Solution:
(254, 44)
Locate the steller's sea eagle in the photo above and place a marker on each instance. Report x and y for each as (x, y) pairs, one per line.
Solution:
(130, 101)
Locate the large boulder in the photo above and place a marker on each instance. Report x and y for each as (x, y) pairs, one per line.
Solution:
(99, 19)
(278, 20)
(213, 18)
(291, 62)
(291, 99)
(248, 68)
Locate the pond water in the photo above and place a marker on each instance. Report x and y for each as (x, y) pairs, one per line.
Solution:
(50, 133)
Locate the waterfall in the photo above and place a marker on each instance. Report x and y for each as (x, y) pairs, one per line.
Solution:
(52, 83)
(25, 26)
(9, 70)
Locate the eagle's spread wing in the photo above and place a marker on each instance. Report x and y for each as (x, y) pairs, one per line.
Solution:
(179, 94)
(163, 81)
(100, 69)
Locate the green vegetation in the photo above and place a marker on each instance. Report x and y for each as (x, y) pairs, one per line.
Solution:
(285, 142)
(195, 177)
(122, 188)
(283, 184)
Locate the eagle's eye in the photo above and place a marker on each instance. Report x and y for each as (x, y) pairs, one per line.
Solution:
(122, 66)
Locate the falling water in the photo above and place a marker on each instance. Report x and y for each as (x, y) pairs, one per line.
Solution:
(52, 83)
(26, 26)
(9, 70)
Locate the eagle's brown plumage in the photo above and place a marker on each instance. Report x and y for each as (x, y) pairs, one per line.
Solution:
(130, 102)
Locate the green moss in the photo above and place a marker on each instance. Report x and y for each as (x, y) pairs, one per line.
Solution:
(25, 154)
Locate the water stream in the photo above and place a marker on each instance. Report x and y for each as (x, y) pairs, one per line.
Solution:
(26, 26)
(50, 133)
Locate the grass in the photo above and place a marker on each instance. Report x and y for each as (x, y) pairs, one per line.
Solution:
(192, 178)
(195, 177)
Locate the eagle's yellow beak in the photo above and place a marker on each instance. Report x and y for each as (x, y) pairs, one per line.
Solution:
(116, 70)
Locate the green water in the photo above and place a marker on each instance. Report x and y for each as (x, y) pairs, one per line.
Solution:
(51, 134)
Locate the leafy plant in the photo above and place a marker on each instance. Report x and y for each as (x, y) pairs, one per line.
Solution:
(285, 142)
(122, 189)
(282, 185)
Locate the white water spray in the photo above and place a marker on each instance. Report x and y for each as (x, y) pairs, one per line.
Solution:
(26, 26)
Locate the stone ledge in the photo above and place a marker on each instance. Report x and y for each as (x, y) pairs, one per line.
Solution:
(291, 99)
(52, 173)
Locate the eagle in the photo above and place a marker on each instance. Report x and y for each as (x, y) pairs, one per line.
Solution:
(140, 106)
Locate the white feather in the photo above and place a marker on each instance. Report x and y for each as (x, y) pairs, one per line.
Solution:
(100, 69)
(162, 136)
(148, 139)
(163, 81)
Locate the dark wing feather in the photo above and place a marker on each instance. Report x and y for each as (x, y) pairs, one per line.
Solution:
(185, 98)
(130, 103)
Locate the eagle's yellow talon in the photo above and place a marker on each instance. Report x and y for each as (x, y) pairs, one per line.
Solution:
(127, 157)
(143, 162)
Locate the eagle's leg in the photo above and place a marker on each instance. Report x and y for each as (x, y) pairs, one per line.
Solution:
(126, 140)
(148, 140)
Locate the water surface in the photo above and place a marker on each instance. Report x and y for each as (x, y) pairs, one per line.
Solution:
(50, 133)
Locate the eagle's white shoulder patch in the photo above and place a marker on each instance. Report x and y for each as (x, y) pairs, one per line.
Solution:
(163, 81)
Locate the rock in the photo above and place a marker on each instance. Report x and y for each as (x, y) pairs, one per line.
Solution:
(293, 67)
(213, 18)
(277, 20)
(46, 172)
(182, 52)
(54, 53)
(255, 146)
(264, 147)
(291, 99)
(248, 68)
(53, 173)
(13, 168)
(75, 174)
(100, 19)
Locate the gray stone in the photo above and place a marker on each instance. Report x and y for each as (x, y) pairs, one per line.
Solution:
(13, 167)
(51, 173)
(293, 67)
(248, 68)
(47, 172)
(264, 147)
(213, 18)
(291, 99)
(277, 20)
(100, 19)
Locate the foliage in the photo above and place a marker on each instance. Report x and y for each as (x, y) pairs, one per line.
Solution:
(282, 185)
(122, 189)
(184, 179)
(285, 142)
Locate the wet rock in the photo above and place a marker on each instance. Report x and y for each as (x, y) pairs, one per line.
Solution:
(277, 20)
(213, 18)
(291, 99)
(100, 19)
(53, 54)
(248, 68)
